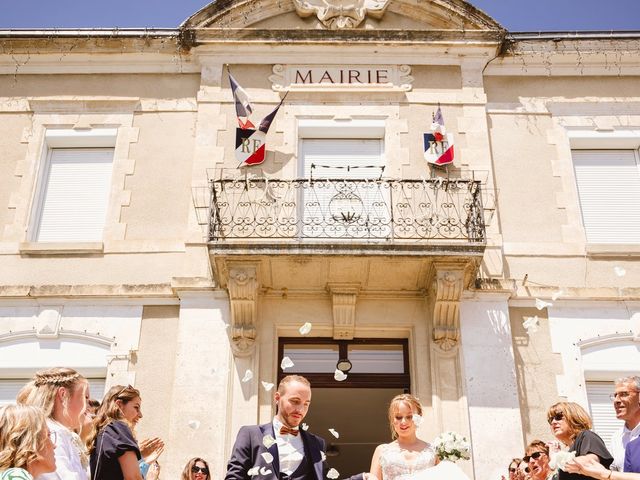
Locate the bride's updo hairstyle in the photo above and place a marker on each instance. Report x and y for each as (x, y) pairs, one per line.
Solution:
(394, 406)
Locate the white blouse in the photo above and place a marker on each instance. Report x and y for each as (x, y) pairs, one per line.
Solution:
(72, 461)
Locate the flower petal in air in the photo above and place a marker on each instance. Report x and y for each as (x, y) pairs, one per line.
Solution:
(248, 375)
(619, 271)
(557, 294)
(268, 440)
(253, 471)
(267, 457)
(339, 375)
(267, 386)
(334, 433)
(194, 424)
(286, 363)
(323, 456)
(417, 419)
(541, 304)
(305, 427)
(333, 474)
(305, 329)
(531, 324)
(265, 471)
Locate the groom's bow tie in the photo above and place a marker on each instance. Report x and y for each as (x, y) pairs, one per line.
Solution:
(284, 430)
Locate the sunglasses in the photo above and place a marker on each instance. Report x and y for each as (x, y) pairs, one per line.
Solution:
(203, 470)
(534, 455)
(557, 417)
(512, 470)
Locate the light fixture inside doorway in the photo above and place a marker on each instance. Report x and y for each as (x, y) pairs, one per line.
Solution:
(344, 365)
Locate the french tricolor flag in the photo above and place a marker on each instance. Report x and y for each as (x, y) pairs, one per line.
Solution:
(250, 143)
(438, 145)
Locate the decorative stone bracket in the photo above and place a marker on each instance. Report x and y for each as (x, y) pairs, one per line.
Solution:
(449, 283)
(343, 299)
(243, 296)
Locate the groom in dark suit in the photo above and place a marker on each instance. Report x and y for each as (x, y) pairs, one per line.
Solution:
(280, 449)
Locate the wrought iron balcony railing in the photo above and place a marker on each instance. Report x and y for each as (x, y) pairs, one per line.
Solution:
(347, 209)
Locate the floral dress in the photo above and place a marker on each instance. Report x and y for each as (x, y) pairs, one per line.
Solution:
(395, 465)
(15, 474)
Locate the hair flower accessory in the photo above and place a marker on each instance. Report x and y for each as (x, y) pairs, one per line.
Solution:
(452, 446)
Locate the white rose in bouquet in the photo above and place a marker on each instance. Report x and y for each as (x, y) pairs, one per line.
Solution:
(452, 446)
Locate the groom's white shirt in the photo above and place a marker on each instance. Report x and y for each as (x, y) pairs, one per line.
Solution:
(290, 449)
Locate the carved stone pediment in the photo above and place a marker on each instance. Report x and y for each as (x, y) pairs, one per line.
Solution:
(339, 14)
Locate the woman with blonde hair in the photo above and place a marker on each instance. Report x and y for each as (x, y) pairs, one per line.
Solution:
(26, 447)
(196, 469)
(571, 424)
(62, 394)
(406, 454)
(115, 453)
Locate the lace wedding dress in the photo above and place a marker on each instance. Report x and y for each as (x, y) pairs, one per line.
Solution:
(398, 464)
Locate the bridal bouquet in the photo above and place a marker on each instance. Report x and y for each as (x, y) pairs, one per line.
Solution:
(452, 446)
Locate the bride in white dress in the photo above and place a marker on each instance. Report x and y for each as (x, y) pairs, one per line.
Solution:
(407, 457)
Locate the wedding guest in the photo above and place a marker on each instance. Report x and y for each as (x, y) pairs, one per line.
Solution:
(514, 472)
(115, 453)
(62, 394)
(196, 469)
(626, 402)
(26, 445)
(632, 456)
(406, 454)
(571, 425)
(591, 468)
(87, 420)
(536, 456)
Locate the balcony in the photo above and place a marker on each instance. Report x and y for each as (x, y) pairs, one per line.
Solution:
(346, 216)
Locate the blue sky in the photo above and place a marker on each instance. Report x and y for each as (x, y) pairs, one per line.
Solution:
(515, 15)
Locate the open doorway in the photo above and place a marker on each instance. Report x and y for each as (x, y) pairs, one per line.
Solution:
(356, 408)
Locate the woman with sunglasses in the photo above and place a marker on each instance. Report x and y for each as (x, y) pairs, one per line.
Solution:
(514, 471)
(26, 444)
(115, 453)
(571, 425)
(536, 457)
(196, 469)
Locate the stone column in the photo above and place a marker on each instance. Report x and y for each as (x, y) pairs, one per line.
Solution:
(492, 391)
(200, 402)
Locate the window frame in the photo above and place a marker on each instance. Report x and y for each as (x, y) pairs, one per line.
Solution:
(61, 138)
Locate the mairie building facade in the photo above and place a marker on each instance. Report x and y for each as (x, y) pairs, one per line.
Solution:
(138, 249)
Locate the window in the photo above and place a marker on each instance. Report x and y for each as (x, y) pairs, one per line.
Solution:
(601, 408)
(609, 190)
(73, 194)
(9, 388)
(344, 162)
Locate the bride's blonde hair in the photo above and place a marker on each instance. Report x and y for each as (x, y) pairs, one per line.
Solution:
(394, 406)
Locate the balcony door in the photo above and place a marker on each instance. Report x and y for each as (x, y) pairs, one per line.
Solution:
(343, 199)
(356, 408)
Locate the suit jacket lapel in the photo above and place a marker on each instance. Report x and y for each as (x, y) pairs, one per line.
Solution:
(313, 453)
(267, 429)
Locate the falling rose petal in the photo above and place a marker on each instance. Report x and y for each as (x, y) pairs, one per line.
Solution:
(531, 324)
(334, 433)
(267, 457)
(248, 375)
(305, 427)
(253, 471)
(268, 440)
(305, 329)
(265, 471)
(333, 474)
(324, 456)
(417, 419)
(339, 375)
(267, 386)
(541, 304)
(619, 271)
(195, 424)
(286, 363)
(556, 295)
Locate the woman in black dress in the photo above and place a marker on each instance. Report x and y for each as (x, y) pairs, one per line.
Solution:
(571, 424)
(115, 454)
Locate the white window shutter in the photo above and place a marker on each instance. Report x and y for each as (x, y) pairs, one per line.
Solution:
(609, 190)
(75, 195)
(603, 415)
(358, 154)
